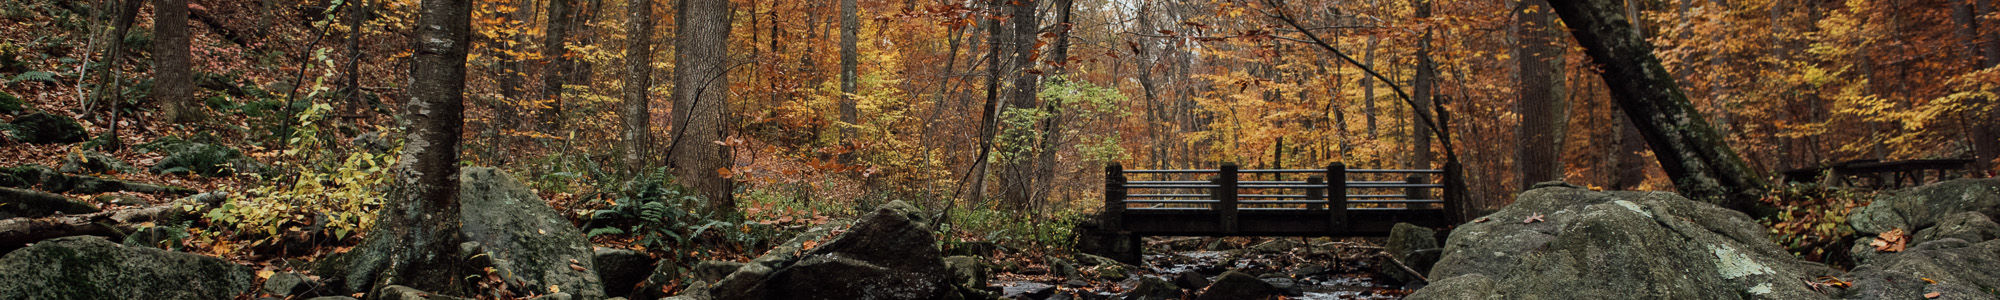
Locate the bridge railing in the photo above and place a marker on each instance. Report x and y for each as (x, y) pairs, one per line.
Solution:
(1226, 192)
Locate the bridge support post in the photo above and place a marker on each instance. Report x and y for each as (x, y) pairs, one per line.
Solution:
(1336, 189)
(1114, 197)
(1225, 192)
(1454, 193)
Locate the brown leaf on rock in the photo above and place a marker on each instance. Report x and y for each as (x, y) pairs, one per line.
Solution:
(1892, 241)
(1537, 217)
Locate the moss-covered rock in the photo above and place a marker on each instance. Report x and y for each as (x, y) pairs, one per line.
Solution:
(1562, 242)
(518, 234)
(93, 268)
(47, 128)
(203, 159)
(10, 105)
(93, 162)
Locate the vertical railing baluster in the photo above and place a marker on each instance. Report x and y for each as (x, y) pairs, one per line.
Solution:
(1316, 193)
(1413, 192)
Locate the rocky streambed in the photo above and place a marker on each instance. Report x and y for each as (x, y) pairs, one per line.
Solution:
(1556, 242)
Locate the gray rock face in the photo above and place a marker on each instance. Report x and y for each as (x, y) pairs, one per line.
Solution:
(93, 268)
(46, 128)
(19, 203)
(525, 237)
(1925, 206)
(1961, 270)
(1969, 226)
(525, 240)
(1614, 245)
(889, 254)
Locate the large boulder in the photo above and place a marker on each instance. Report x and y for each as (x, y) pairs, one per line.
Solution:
(525, 240)
(888, 254)
(1953, 268)
(1922, 207)
(93, 268)
(525, 237)
(19, 203)
(1563, 242)
(47, 128)
(1415, 247)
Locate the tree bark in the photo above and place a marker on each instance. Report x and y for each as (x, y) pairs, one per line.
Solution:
(635, 113)
(355, 18)
(110, 91)
(989, 117)
(1543, 99)
(1017, 177)
(419, 227)
(556, 63)
(1984, 53)
(703, 48)
(850, 23)
(1694, 154)
(1052, 128)
(173, 85)
(1423, 88)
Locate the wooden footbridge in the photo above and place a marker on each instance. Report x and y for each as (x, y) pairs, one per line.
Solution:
(1230, 201)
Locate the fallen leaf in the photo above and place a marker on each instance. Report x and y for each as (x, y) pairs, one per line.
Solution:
(265, 274)
(542, 231)
(576, 267)
(1481, 220)
(1933, 295)
(1537, 217)
(1928, 279)
(1892, 241)
(554, 289)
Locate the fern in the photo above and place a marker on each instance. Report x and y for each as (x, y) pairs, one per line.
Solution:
(43, 76)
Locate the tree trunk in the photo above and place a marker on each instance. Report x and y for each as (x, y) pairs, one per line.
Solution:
(1543, 100)
(1017, 176)
(636, 111)
(1694, 154)
(556, 63)
(1052, 129)
(173, 85)
(1983, 53)
(355, 17)
(850, 23)
(419, 227)
(990, 116)
(702, 46)
(110, 91)
(1423, 87)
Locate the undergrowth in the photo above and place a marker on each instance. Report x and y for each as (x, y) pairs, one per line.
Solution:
(1813, 223)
